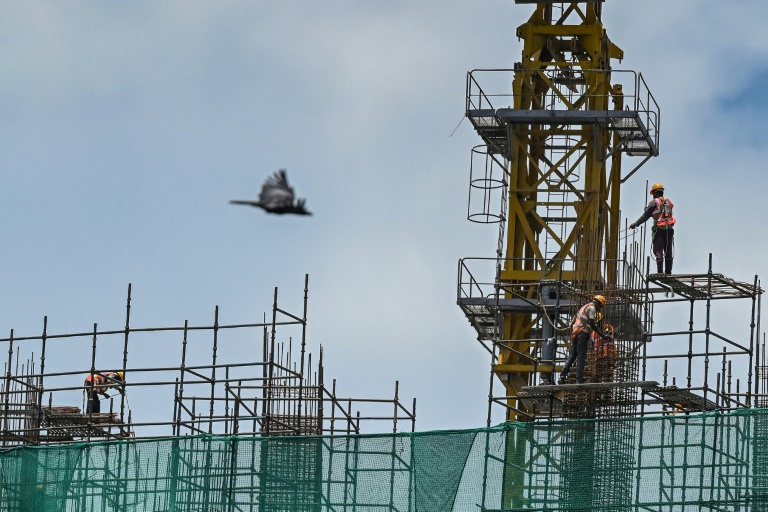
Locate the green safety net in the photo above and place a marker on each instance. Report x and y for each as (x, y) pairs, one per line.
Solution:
(676, 462)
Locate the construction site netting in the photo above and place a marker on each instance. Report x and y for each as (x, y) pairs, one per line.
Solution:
(709, 461)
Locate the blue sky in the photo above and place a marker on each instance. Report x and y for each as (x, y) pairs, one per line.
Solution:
(127, 128)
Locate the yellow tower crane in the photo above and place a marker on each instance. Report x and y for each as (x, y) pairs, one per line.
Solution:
(552, 148)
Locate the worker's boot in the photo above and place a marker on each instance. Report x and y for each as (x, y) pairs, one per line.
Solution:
(667, 266)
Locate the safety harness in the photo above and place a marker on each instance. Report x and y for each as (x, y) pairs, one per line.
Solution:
(662, 215)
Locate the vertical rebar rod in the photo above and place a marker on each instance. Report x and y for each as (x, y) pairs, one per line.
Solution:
(752, 325)
(270, 383)
(303, 347)
(396, 403)
(213, 367)
(264, 374)
(92, 391)
(182, 371)
(490, 387)
(236, 420)
(16, 422)
(333, 405)
(350, 421)
(718, 383)
(758, 328)
(648, 324)
(707, 327)
(721, 387)
(759, 363)
(125, 352)
(226, 400)
(41, 380)
(7, 404)
(320, 388)
(690, 343)
(174, 423)
(255, 410)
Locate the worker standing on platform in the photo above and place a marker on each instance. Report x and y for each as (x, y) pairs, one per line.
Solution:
(583, 324)
(96, 386)
(660, 208)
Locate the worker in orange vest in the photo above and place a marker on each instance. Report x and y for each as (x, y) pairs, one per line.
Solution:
(583, 324)
(604, 347)
(96, 386)
(660, 208)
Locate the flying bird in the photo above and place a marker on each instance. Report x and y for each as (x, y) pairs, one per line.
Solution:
(277, 196)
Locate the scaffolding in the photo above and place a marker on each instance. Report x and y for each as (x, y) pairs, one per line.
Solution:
(550, 174)
(556, 130)
(260, 379)
(645, 371)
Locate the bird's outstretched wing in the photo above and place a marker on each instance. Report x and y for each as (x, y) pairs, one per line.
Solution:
(276, 193)
(277, 197)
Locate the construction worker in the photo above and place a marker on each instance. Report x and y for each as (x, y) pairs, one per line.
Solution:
(660, 208)
(96, 386)
(604, 347)
(583, 324)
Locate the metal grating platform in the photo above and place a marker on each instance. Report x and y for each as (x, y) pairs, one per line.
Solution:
(643, 384)
(537, 398)
(492, 126)
(700, 286)
(634, 136)
(682, 399)
(481, 317)
(566, 400)
(480, 311)
(70, 425)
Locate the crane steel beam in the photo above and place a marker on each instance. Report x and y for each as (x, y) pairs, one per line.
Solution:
(569, 120)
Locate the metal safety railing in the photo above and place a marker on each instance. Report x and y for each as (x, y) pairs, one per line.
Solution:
(490, 89)
(484, 277)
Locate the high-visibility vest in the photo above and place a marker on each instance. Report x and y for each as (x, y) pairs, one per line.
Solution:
(102, 381)
(96, 378)
(605, 347)
(581, 320)
(662, 214)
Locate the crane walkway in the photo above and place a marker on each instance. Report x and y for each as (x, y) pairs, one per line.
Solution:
(481, 311)
(492, 125)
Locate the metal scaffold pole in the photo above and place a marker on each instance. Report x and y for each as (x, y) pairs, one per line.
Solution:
(550, 172)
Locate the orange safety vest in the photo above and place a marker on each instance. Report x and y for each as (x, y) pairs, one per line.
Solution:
(662, 214)
(101, 381)
(581, 320)
(97, 379)
(603, 346)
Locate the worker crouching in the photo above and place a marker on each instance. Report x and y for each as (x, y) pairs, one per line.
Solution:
(605, 354)
(96, 386)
